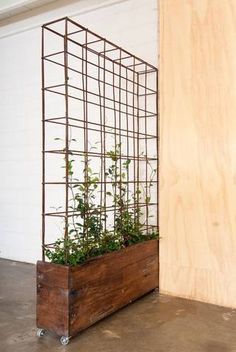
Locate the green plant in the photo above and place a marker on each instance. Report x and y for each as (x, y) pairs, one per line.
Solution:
(86, 234)
(127, 222)
(66, 251)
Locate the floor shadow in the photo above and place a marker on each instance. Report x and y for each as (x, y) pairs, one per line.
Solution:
(213, 346)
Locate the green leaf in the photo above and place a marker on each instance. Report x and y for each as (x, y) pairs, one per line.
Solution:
(147, 199)
(71, 231)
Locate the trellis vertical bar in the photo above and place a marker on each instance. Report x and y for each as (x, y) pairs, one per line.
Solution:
(134, 138)
(43, 146)
(146, 150)
(157, 156)
(104, 133)
(138, 150)
(157, 150)
(85, 108)
(127, 132)
(101, 136)
(66, 132)
(119, 129)
(115, 129)
(102, 172)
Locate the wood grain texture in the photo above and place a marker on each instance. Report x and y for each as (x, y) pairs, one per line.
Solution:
(198, 149)
(52, 309)
(92, 291)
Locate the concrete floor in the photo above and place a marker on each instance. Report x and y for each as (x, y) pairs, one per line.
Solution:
(155, 323)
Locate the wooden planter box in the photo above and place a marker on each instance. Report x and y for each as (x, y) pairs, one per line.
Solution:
(70, 299)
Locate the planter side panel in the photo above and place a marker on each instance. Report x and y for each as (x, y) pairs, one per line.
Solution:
(108, 283)
(52, 298)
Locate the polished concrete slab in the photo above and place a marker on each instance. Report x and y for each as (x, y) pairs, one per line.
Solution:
(155, 323)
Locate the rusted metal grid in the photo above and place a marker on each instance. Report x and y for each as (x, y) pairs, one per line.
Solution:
(95, 95)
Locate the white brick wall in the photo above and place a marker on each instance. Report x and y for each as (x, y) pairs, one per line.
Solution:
(132, 24)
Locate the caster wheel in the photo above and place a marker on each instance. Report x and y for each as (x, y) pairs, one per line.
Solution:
(64, 340)
(41, 332)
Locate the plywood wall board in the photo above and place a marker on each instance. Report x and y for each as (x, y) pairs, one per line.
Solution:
(198, 149)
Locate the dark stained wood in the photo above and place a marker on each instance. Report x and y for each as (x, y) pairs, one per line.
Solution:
(52, 297)
(52, 275)
(80, 296)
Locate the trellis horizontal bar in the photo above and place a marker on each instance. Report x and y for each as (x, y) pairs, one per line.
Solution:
(124, 58)
(103, 210)
(94, 41)
(98, 182)
(51, 245)
(134, 134)
(75, 32)
(96, 104)
(133, 65)
(55, 21)
(146, 72)
(105, 155)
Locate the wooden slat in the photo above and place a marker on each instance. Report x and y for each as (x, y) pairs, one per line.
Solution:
(52, 274)
(101, 265)
(111, 282)
(53, 310)
(53, 298)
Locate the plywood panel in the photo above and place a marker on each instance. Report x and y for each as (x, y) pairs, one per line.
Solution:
(198, 149)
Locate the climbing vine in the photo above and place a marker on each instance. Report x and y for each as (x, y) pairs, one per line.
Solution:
(88, 236)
